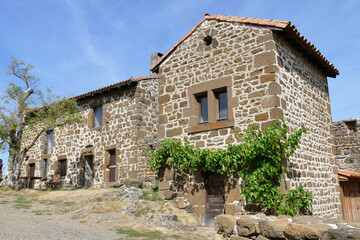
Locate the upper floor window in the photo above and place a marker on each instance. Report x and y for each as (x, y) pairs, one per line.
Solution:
(98, 112)
(222, 104)
(49, 141)
(211, 105)
(203, 107)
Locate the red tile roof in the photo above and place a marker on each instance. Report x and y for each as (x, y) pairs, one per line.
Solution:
(289, 30)
(115, 85)
(348, 174)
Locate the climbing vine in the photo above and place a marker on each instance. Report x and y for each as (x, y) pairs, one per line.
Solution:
(259, 161)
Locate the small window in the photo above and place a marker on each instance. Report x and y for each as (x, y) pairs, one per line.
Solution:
(49, 141)
(222, 105)
(203, 108)
(62, 167)
(45, 168)
(351, 125)
(98, 116)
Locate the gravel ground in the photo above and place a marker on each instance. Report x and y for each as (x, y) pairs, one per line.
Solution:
(23, 224)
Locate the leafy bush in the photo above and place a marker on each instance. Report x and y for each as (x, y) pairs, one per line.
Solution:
(259, 161)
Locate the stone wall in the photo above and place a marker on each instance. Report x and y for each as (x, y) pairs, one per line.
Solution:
(129, 127)
(304, 101)
(264, 77)
(263, 227)
(347, 143)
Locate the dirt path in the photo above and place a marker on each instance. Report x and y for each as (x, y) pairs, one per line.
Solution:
(29, 224)
(93, 214)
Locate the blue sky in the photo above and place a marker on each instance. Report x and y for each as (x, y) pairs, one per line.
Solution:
(81, 45)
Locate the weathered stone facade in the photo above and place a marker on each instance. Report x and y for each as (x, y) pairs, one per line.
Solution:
(265, 69)
(264, 76)
(347, 143)
(129, 127)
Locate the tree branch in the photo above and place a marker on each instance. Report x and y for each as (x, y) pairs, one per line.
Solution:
(24, 151)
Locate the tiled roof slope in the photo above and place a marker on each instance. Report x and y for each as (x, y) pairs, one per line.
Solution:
(115, 85)
(349, 174)
(290, 33)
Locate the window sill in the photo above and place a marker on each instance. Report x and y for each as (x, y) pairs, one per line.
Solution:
(211, 126)
(96, 128)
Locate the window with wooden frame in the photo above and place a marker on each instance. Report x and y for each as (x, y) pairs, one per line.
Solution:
(221, 104)
(62, 167)
(211, 105)
(45, 166)
(98, 115)
(49, 141)
(202, 100)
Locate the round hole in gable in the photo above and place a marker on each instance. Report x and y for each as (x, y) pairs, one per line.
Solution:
(208, 40)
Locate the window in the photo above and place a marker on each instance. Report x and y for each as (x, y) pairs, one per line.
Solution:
(98, 112)
(49, 141)
(222, 105)
(45, 165)
(211, 105)
(203, 108)
(62, 167)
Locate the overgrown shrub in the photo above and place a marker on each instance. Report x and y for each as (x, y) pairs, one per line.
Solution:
(259, 161)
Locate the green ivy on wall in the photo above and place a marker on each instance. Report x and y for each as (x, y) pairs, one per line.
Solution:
(259, 161)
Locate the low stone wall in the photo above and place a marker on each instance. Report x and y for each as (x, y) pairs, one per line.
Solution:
(262, 227)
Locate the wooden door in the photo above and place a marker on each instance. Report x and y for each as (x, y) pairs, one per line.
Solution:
(350, 200)
(88, 171)
(112, 166)
(32, 174)
(215, 197)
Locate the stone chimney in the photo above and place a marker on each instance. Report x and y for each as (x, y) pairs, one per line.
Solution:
(153, 59)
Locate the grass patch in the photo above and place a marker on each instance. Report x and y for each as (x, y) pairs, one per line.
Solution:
(1, 196)
(4, 202)
(5, 188)
(49, 202)
(175, 236)
(151, 195)
(38, 212)
(68, 204)
(22, 206)
(22, 200)
(150, 235)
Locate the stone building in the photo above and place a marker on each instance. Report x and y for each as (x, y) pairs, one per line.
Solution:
(222, 76)
(347, 143)
(229, 72)
(112, 145)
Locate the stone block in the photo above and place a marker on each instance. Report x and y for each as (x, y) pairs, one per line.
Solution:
(267, 78)
(230, 209)
(270, 102)
(169, 195)
(275, 112)
(261, 117)
(265, 125)
(274, 88)
(169, 174)
(164, 185)
(180, 202)
(225, 224)
(238, 238)
(341, 233)
(248, 227)
(164, 98)
(264, 59)
(173, 132)
(305, 231)
(199, 212)
(273, 229)
(232, 191)
(196, 194)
